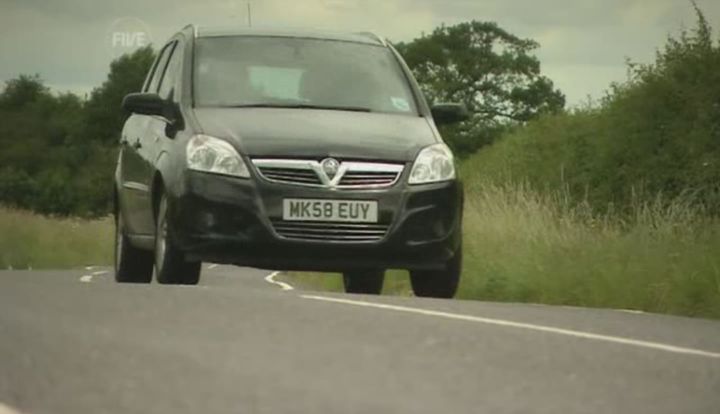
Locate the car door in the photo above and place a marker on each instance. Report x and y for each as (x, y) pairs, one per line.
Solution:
(136, 173)
(168, 89)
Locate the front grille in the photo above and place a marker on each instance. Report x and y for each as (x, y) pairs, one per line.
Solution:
(290, 175)
(330, 232)
(349, 175)
(368, 178)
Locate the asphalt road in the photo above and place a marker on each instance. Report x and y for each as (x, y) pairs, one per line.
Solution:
(76, 342)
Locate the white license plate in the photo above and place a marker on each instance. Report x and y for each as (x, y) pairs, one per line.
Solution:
(303, 209)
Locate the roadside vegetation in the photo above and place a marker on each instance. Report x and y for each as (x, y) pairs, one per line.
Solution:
(32, 241)
(58, 151)
(525, 246)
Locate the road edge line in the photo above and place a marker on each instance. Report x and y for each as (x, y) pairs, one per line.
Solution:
(523, 325)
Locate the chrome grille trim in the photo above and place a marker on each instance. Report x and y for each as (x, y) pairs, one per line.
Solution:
(293, 175)
(350, 175)
(330, 232)
(367, 178)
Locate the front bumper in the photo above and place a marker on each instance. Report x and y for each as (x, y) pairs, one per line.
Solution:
(230, 220)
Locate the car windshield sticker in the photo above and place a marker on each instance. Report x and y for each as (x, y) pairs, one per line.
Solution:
(400, 103)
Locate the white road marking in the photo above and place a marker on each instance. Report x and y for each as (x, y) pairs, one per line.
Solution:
(271, 279)
(213, 266)
(89, 267)
(522, 325)
(88, 278)
(635, 311)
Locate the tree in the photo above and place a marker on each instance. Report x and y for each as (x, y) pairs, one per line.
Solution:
(652, 141)
(22, 91)
(103, 116)
(58, 152)
(489, 70)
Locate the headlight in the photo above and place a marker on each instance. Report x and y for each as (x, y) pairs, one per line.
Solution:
(433, 164)
(214, 155)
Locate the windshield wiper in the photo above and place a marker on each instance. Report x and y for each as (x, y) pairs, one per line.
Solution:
(302, 106)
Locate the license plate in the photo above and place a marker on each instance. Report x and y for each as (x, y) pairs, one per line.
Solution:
(295, 209)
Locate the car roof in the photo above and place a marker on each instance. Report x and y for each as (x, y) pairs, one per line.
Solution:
(358, 37)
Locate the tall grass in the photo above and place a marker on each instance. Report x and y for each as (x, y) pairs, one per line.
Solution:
(522, 245)
(525, 245)
(29, 240)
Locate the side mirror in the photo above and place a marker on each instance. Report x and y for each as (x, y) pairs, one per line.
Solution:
(147, 104)
(449, 113)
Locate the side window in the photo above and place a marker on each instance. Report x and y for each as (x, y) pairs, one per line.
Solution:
(153, 70)
(159, 68)
(149, 76)
(169, 80)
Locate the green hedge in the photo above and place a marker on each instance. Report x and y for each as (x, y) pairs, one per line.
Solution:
(657, 133)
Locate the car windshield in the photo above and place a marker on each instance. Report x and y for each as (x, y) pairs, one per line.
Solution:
(299, 72)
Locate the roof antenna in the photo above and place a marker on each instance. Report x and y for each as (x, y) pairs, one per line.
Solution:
(249, 15)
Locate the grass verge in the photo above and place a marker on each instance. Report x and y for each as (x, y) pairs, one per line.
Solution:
(526, 246)
(520, 246)
(32, 241)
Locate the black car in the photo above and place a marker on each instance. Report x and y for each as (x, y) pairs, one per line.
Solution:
(288, 151)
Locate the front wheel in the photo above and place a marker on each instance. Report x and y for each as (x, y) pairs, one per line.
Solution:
(438, 283)
(369, 282)
(170, 265)
(132, 265)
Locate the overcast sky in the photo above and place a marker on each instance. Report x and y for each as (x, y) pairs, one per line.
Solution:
(583, 43)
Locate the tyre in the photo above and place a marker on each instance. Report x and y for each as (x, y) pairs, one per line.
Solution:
(170, 265)
(132, 265)
(438, 283)
(369, 282)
